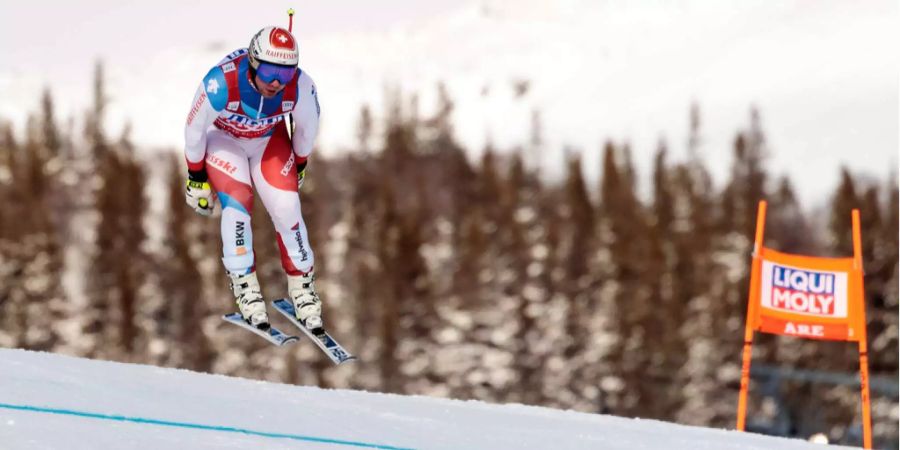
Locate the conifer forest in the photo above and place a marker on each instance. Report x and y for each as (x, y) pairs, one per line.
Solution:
(453, 276)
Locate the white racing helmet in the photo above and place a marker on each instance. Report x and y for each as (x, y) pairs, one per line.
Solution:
(273, 45)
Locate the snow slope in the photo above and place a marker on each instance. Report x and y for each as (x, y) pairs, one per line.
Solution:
(56, 402)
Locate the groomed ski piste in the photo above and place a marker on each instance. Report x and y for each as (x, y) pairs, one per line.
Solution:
(51, 401)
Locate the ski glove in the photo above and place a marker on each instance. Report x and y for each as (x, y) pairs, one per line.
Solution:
(198, 193)
(301, 174)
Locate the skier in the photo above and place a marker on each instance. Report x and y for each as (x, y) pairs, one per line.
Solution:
(236, 137)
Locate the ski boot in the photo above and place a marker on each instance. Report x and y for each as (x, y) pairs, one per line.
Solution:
(307, 306)
(249, 299)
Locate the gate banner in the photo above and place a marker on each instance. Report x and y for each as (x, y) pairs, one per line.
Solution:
(816, 298)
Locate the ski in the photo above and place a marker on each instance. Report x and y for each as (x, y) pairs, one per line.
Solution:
(273, 335)
(325, 342)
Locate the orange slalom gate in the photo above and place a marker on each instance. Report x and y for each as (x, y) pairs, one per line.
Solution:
(808, 297)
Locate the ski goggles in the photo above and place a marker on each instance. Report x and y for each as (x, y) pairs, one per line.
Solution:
(270, 72)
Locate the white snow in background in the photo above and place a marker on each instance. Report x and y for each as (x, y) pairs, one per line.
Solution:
(824, 75)
(78, 386)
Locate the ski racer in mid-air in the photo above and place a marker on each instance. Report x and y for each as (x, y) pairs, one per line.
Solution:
(237, 137)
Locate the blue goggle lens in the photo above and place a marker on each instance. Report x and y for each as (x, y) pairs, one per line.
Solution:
(271, 72)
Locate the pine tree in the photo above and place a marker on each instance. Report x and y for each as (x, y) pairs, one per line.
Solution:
(364, 129)
(750, 177)
(46, 303)
(34, 181)
(31, 297)
(840, 227)
(388, 319)
(94, 131)
(470, 270)
(626, 235)
(94, 314)
(117, 269)
(476, 288)
(536, 240)
(515, 256)
(535, 149)
(786, 223)
(359, 259)
(8, 151)
(57, 166)
(399, 156)
(52, 140)
(879, 247)
(883, 331)
(698, 282)
(11, 230)
(580, 214)
(667, 347)
(747, 183)
(663, 197)
(447, 170)
(546, 284)
(179, 320)
(416, 307)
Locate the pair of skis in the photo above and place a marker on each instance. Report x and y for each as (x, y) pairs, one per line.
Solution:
(324, 341)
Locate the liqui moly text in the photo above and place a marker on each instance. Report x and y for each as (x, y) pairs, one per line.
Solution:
(803, 291)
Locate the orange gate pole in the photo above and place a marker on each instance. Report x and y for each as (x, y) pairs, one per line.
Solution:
(750, 323)
(863, 347)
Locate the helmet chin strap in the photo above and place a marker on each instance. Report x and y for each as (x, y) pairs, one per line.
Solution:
(251, 74)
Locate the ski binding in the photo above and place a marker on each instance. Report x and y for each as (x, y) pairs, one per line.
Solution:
(273, 335)
(324, 341)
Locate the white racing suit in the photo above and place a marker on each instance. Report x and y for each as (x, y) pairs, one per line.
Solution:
(241, 139)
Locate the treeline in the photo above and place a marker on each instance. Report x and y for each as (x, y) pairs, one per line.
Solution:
(447, 276)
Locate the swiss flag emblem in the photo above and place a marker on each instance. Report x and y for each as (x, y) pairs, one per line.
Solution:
(281, 39)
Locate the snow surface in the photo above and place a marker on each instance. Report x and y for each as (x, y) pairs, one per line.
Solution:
(57, 402)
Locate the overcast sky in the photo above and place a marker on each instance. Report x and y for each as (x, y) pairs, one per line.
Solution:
(824, 73)
(64, 38)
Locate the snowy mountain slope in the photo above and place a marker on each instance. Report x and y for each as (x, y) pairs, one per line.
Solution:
(55, 402)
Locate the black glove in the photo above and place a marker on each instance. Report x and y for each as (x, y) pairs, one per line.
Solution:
(198, 193)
